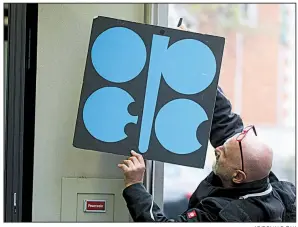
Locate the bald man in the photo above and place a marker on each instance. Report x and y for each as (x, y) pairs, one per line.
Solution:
(241, 187)
(257, 158)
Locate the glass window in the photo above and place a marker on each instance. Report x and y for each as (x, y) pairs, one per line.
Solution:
(257, 75)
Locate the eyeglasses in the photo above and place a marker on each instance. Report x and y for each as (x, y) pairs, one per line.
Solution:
(241, 136)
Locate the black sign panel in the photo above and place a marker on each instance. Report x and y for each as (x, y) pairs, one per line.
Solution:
(149, 89)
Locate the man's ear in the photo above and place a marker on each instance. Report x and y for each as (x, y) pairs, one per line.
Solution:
(239, 177)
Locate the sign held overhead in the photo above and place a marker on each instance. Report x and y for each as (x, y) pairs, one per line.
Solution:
(150, 89)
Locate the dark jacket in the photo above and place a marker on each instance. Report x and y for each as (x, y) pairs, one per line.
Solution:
(267, 200)
(225, 123)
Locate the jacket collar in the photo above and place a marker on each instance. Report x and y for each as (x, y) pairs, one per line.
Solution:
(212, 187)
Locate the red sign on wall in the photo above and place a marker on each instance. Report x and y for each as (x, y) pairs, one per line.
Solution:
(95, 206)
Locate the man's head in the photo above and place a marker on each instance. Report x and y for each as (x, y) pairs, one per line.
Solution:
(257, 160)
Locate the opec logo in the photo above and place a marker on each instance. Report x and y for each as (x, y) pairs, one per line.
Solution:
(119, 56)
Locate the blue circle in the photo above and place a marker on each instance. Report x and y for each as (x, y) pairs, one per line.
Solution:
(118, 54)
(105, 114)
(189, 66)
(176, 126)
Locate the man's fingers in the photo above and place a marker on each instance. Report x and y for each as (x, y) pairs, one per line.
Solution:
(182, 27)
(139, 157)
(129, 163)
(134, 160)
(123, 167)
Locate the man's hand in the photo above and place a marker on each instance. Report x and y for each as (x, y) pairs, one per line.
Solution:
(134, 169)
(182, 27)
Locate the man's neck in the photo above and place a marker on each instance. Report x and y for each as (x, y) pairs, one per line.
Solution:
(226, 184)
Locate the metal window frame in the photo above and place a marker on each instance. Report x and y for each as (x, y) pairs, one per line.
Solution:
(19, 110)
(15, 109)
(5, 21)
(156, 14)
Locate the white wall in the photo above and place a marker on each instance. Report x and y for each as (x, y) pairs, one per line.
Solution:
(63, 38)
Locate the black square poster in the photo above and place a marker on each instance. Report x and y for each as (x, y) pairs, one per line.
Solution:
(150, 89)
